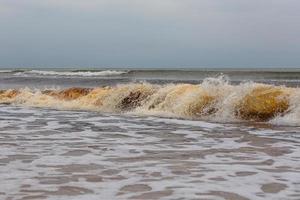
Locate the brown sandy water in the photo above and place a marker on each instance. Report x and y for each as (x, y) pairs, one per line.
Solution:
(215, 99)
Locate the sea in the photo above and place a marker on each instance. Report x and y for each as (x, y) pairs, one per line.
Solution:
(170, 134)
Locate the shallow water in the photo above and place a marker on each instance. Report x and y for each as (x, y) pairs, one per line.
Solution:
(52, 154)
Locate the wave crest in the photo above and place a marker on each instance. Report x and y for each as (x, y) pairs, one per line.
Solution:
(72, 73)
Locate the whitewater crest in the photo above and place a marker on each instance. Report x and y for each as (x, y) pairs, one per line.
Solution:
(214, 99)
(76, 73)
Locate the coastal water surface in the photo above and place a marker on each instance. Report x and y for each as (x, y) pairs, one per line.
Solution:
(123, 134)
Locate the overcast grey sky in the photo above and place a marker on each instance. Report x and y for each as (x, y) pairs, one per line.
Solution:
(150, 33)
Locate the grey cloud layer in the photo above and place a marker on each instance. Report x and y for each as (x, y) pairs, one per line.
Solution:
(152, 33)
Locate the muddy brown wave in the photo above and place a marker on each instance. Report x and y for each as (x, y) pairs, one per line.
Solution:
(214, 99)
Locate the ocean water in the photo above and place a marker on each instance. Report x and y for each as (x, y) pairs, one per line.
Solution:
(150, 134)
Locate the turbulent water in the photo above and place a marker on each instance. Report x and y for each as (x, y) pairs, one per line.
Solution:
(149, 134)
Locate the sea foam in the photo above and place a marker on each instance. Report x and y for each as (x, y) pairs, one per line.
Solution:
(71, 73)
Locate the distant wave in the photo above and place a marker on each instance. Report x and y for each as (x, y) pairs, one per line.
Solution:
(6, 71)
(78, 73)
(214, 99)
(74, 73)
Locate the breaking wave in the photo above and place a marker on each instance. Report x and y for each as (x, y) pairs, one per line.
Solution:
(6, 71)
(65, 73)
(78, 73)
(214, 99)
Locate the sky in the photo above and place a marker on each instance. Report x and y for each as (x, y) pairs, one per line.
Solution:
(153, 33)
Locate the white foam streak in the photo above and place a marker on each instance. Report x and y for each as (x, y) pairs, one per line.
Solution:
(74, 73)
(6, 71)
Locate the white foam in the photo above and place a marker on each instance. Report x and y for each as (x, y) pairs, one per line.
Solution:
(74, 73)
(6, 71)
(191, 169)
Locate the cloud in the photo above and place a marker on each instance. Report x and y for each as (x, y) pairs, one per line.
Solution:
(156, 32)
(153, 6)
